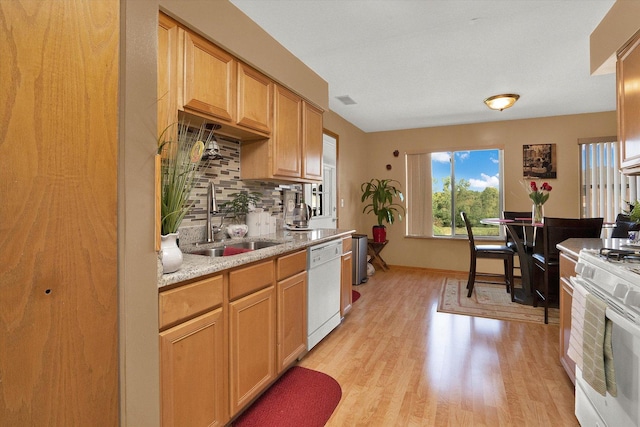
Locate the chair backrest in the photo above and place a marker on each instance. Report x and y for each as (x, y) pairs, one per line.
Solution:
(467, 224)
(556, 230)
(519, 230)
(623, 225)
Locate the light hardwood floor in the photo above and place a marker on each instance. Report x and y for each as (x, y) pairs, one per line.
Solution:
(401, 363)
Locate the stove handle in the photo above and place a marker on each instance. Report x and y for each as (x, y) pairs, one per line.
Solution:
(623, 323)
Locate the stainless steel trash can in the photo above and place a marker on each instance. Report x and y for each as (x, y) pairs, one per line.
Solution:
(359, 250)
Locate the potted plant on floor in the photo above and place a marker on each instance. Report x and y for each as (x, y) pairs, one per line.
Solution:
(179, 155)
(381, 194)
(239, 206)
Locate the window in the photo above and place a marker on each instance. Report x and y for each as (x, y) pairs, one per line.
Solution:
(442, 184)
(605, 190)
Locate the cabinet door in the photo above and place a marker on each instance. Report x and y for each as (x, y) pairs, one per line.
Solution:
(59, 281)
(286, 146)
(255, 91)
(167, 72)
(209, 78)
(292, 319)
(566, 297)
(312, 142)
(345, 283)
(567, 269)
(629, 107)
(252, 341)
(192, 377)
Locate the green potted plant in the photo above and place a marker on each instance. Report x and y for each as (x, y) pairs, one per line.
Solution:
(238, 206)
(180, 152)
(634, 212)
(381, 194)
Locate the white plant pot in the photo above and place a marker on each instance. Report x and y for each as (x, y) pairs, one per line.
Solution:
(237, 231)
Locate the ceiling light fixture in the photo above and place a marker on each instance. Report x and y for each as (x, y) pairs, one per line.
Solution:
(500, 102)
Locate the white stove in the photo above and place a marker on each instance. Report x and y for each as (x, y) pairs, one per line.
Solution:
(613, 276)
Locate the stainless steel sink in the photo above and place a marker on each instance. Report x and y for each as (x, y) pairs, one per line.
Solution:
(213, 252)
(253, 245)
(218, 252)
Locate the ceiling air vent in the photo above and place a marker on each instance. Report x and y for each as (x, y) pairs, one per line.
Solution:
(346, 100)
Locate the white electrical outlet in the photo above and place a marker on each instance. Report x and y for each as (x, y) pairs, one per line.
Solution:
(342, 203)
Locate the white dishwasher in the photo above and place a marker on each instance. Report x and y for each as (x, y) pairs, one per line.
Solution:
(323, 303)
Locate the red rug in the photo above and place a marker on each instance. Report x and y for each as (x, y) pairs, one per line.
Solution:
(300, 398)
(354, 296)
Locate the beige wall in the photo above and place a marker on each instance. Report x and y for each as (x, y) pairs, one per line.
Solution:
(137, 259)
(351, 169)
(563, 131)
(611, 34)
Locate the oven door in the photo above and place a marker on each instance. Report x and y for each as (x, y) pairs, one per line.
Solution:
(624, 409)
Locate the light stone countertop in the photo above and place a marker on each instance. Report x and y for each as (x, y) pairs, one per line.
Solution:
(195, 266)
(573, 246)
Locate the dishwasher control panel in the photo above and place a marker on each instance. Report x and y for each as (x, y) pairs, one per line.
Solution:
(319, 254)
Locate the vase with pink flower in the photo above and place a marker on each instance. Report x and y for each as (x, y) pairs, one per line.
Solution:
(539, 195)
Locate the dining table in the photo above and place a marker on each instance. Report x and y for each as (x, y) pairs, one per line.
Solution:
(531, 232)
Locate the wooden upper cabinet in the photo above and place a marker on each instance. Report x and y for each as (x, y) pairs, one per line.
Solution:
(294, 151)
(209, 78)
(312, 142)
(255, 92)
(287, 147)
(280, 131)
(628, 75)
(167, 72)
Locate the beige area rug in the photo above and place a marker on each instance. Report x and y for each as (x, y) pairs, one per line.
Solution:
(491, 301)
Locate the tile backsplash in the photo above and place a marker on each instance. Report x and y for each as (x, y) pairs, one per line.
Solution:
(225, 175)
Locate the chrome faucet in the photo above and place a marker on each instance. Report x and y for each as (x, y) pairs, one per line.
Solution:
(212, 210)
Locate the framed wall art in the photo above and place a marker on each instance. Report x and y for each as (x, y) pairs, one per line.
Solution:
(539, 161)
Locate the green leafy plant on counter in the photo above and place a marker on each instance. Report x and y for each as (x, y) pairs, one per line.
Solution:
(180, 158)
(239, 205)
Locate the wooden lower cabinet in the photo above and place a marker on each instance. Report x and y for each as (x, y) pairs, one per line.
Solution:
(193, 374)
(346, 276)
(224, 339)
(345, 283)
(567, 269)
(292, 319)
(252, 341)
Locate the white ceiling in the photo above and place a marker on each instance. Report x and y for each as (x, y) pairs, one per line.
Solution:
(421, 63)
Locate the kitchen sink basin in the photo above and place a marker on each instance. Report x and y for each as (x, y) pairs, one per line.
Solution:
(253, 245)
(213, 252)
(218, 252)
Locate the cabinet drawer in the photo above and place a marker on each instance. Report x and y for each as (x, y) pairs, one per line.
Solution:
(250, 279)
(186, 301)
(567, 266)
(346, 244)
(289, 265)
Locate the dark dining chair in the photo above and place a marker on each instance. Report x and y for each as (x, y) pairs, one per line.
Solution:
(623, 225)
(546, 260)
(488, 251)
